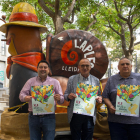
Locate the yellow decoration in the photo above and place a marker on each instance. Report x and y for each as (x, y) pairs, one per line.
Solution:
(88, 108)
(23, 7)
(12, 49)
(48, 107)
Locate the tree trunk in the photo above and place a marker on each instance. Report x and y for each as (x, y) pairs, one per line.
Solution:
(128, 55)
(58, 22)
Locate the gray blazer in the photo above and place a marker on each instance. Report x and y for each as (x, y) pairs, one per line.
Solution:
(71, 88)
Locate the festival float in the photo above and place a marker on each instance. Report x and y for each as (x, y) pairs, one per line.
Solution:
(63, 53)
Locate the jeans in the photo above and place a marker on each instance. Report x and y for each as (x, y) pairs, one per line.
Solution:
(39, 124)
(82, 127)
(120, 131)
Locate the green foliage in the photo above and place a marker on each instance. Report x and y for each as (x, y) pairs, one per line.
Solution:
(137, 47)
(114, 49)
(106, 26)
(108, 22)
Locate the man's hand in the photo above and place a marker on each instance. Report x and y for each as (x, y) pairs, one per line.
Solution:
(28, 98)
(71, 96)
(109, 105)
(57, 97)
(112, 109)
(99, 99)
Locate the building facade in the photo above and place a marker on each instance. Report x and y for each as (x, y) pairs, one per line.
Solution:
(3, 57)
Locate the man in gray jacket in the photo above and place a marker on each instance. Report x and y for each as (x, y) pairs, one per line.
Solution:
(81, 126)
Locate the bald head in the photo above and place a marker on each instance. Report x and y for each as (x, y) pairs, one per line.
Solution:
(124, 58)
(125, 67)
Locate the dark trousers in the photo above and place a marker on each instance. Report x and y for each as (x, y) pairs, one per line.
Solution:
(45, 124)
(119, 131)
(82, 127)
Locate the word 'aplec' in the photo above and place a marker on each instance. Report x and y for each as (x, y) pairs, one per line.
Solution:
(84, 49)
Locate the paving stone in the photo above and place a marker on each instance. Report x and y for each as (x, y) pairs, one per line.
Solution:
(4, 99)
(5, 107)
(2, 106)
(5, 96)
(7, 102)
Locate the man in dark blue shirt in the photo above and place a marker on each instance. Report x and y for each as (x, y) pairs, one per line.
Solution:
(122, 127)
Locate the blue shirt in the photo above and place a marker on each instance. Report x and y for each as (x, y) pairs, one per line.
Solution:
(110, 92)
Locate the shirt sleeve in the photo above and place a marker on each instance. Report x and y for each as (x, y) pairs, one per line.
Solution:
(68, 90)
(106, 91)
(58, 90)
(26, 91)
(99, 91)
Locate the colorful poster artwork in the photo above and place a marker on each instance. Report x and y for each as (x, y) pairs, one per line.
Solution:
(42, 99)
(85, 102)
(127, 101)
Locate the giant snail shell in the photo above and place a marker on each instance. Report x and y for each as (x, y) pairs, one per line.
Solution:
(66, 49)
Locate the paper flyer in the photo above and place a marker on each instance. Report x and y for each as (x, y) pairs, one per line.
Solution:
(127, 101)
(42, 99)
(85, 102)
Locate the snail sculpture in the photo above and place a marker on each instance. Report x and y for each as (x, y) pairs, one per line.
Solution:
(66, 49)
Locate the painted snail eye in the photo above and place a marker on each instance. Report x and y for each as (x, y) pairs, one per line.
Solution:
(67, 48)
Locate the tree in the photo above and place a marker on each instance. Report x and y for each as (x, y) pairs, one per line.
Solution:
(53, 13)
(105, 19)
(53, 10)
(119, 16)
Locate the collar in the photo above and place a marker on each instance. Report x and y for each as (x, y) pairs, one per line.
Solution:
(83, 78)
(129, 77)
(38, 78)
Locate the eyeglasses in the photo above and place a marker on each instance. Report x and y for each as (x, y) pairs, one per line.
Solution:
(82, 66)
(125, 64)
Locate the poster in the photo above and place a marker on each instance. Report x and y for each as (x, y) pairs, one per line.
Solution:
(85, 102)
(42, 99)
(127, 101)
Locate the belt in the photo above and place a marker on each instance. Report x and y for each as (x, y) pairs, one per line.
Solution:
(31, 113)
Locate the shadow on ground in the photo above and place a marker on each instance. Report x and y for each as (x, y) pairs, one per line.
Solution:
(66, 137)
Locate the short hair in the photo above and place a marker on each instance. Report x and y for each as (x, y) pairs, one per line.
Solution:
(83, 59)
(125, 58)
(43, 61)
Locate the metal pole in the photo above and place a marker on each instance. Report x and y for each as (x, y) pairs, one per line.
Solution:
(136, 69)
(109, 69)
